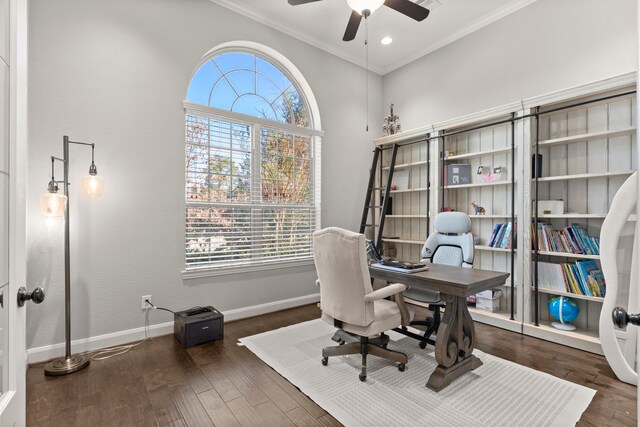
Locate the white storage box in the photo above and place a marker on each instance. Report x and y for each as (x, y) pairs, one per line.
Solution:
(489, 300)
(549, 207)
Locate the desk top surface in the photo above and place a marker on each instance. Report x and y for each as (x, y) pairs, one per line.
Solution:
(457, 281)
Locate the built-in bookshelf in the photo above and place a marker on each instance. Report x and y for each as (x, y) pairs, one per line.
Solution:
(588, 148)
(588, 151)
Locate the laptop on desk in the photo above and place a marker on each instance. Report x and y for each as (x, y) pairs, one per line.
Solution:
(377, 261)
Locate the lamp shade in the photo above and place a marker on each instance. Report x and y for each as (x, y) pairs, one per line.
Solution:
(362, 5)
(53, 204)
(93, 185)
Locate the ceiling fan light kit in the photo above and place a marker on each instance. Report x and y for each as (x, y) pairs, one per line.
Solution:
(367, 7)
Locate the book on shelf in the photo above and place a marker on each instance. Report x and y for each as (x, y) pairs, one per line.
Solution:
(580, 278)
(572, 239)
(502, 235)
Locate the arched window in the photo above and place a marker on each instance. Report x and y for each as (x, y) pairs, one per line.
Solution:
(252, 163)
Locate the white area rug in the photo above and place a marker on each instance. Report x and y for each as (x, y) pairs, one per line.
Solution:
(499, 393)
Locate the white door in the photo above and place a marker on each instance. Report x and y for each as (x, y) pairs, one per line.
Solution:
(13, 165)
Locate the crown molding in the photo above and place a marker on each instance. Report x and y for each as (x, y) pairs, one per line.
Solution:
(235, 7)
(497, 14)
(485, 20)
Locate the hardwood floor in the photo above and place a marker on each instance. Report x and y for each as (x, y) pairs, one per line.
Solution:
(223, 384)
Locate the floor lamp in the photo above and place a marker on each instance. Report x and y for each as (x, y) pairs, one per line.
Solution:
(55, 204)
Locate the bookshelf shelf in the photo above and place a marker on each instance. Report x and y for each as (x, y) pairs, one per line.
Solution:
(481, 184)
(584, 339)
(580, 216)
(500, 318)
(584, 176)
(408, 165)
(490, 216)
(478, 154)
(567, 255)
(408, 242)
(407, 216)
(409, 190)
(569, 294)
(587, 136)
(490, 248)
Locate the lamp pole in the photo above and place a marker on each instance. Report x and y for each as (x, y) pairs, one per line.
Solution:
(70, 363)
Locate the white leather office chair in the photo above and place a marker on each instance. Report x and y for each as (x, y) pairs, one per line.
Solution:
(451, 244)
(348, 302)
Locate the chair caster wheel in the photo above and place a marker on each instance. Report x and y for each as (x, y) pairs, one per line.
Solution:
(401, 367)
(384, 346)
(325, 361)
(341, 342)
(362, 377)
(422, 345)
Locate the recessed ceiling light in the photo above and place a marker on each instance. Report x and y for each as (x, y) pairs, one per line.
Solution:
(386, 40)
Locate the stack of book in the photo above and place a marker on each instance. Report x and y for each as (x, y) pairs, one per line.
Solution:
(581, 278)
(572, 239)
(502, 235)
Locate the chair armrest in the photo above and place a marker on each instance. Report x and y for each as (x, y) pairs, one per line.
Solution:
(385, 292)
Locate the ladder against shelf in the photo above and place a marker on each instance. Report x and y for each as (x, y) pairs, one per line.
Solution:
(587, 137)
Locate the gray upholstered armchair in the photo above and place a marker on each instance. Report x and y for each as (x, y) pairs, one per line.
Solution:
(451, 244)
(348, 301)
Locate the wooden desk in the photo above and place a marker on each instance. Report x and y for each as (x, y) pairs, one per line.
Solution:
(455, 339)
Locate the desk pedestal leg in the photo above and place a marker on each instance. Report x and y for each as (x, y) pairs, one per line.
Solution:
(454, 345)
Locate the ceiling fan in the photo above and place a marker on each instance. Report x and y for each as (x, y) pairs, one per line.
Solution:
(364, 8)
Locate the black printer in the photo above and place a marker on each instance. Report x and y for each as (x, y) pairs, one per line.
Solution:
(198, 325)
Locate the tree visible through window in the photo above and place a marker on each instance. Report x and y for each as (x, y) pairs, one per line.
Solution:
(251, 165)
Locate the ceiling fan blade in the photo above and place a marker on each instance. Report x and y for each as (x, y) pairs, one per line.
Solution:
(352, 26)
(409, 8)
(297, 2)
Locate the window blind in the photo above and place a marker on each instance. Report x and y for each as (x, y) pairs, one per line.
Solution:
(252, 192)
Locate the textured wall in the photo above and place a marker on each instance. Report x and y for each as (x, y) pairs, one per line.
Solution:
(115, 73)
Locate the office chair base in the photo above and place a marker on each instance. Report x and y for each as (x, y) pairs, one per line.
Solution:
(364, 346)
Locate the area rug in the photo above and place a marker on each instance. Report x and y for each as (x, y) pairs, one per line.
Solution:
(499, 393)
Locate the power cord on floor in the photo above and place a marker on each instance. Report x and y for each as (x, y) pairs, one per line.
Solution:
(110, 352)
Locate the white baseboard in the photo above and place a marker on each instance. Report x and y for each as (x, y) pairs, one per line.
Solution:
(48, 352)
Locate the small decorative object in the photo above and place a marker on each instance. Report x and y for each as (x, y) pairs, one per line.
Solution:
(391, 124)
(499, 174)
(479, 210)
(484, 173)
(565, 310)
(458, 174)
(476, 240)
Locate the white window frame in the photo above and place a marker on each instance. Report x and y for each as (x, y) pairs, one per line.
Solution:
(256, 124)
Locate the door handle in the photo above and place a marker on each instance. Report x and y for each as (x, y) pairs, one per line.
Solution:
(621, 318)
(37, 296)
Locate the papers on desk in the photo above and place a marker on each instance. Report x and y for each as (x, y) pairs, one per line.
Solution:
(400, 269)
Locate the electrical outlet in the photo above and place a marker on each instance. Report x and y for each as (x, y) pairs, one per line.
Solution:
(144, 302)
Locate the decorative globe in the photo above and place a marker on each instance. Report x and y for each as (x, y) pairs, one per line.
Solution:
(564, 309)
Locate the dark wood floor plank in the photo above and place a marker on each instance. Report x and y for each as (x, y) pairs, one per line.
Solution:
(222, 384)
(273, 416)
(136, 388)
(217, 409)
(302, 418)
(329, 421)
(189, 405)
(246, 414)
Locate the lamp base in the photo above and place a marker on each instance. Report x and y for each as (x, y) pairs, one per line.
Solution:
(67, 365)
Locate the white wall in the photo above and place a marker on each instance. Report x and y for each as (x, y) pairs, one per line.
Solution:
(115, 73)
(547, 46)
